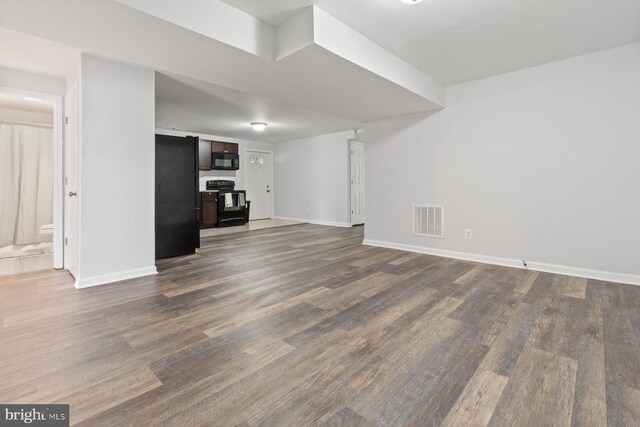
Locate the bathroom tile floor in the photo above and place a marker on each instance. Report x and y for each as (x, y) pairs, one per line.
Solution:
(26, 263)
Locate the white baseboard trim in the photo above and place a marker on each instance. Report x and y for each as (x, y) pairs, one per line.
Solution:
(605, 276)
(287, 218)
(313, 221)
(114, 277)
(330, 223)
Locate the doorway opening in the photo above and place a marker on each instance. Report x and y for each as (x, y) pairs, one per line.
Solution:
(30, 183)
(356, 156)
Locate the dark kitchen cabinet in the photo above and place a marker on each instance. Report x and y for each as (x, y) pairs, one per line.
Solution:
(204, 155)
(208, 209)
(205, 148)
(224, 147)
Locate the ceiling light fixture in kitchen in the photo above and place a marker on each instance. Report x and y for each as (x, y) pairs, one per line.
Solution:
(259, 126)
(411, 1)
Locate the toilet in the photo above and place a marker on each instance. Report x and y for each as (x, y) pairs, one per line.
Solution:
(46, 229)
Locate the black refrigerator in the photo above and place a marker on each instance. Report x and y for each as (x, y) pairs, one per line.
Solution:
(177, 191)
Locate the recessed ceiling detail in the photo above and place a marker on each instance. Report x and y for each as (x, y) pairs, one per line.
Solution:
(311, 26)
(271, 12)
(454, 41)
(354, 79)
(184, 103)
(355, 61)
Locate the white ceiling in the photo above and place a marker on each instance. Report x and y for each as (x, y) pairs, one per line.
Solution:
(202, 107)
(313, 90)
(271, 12)
(28, 53)
(454, 41)
(321, 83)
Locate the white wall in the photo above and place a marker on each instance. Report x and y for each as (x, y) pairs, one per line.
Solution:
(543, 165)
(242, 145)
(312, 179)
(23, 80)
(216, 20)
(117, 181)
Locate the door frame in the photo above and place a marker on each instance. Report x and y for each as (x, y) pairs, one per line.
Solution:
(273, 173)
(70, 121)
(57, 242)
(349, 180)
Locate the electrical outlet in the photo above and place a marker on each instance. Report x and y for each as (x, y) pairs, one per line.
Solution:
(468, 233)
(306, 210)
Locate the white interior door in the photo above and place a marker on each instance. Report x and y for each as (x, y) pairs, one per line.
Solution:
(71, 181)
(357, 182)
(259, 183)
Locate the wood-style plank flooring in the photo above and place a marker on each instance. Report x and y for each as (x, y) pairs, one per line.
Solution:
(303, 325)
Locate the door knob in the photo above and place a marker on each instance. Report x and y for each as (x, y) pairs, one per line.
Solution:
(72, 194)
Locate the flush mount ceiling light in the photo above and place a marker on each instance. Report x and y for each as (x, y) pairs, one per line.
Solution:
(259, 126)
(411, 1)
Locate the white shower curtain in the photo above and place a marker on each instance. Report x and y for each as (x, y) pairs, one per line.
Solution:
(26, 182)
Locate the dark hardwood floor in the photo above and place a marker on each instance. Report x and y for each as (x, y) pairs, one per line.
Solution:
(303, 325)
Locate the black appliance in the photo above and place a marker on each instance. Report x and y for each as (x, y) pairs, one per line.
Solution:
(177, 196)
(232, 204)
(225, 161)
(221, 184)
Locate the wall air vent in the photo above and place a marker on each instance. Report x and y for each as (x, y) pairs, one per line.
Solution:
(428, 221)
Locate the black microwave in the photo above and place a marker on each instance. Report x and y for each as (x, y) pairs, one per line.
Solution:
(225, 161)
